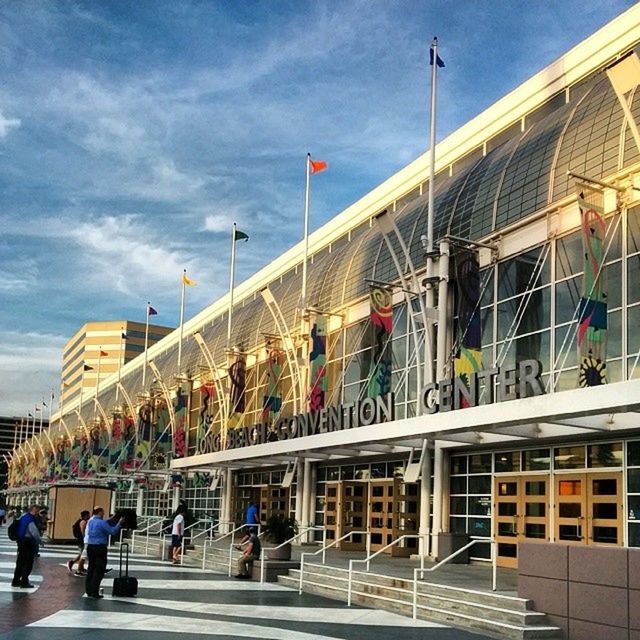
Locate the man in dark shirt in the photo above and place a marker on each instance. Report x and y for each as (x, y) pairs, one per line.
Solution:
(28, 543)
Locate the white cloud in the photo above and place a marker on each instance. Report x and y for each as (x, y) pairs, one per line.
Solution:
(19, 276)
(6, 124)
(30, 366)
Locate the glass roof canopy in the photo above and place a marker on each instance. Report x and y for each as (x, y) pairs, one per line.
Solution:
(523, 175)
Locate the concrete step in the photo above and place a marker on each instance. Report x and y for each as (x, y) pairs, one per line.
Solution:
(487, 598)
(455, 602)
(516, 624)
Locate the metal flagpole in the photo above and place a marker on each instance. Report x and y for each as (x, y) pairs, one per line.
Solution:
(120, 361)
(98, 380)
(41, 412)
(146, 345)
(15, 434)
(181, 321)
(432, 144)
(303, 301)
(232, 277)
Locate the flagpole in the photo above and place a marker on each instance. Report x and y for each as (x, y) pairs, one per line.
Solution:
(181, 322)
(98, 380)
(120, 361)
(15, 435)
(306, 236)
(231, 283)
(41, 412)
(432, 145)
(146, 345)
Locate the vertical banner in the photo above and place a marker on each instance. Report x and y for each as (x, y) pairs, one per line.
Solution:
(592, 317)
(206, 414)
(129, 440)
(181, 410)
(318, 379)
(381, 327)
(143, 433)
(161, 440)
(468, 357)
(237, 376)
(272, 402)
(116, 445)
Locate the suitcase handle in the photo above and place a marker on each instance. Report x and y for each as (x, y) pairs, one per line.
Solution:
(126, 573)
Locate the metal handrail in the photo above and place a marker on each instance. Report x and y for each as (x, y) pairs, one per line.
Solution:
(323, 551)
(474, 540)
(182, 542)
(368, 559)
(154, 522)
(303, 531)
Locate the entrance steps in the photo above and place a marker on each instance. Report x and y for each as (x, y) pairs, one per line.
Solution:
(494, 614)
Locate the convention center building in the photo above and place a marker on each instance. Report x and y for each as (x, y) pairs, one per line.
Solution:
(482, 381)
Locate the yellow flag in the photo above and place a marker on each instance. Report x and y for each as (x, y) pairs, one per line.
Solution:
(188, 281)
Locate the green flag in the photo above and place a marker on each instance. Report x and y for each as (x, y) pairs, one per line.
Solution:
(240, 235)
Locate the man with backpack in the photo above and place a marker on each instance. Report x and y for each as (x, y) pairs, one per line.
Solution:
(78, 529)
(26, 533)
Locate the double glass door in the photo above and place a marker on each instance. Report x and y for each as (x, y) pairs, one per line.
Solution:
(522, 514)
(589, 508)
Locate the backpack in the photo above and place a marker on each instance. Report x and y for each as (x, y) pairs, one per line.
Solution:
(12, 530)
(75, 529)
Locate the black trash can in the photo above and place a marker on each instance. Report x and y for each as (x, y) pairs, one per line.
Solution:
(449, 543)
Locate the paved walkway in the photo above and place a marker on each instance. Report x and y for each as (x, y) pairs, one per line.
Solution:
(189, 602)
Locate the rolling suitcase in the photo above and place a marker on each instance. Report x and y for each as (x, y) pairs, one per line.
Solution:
(125, 586)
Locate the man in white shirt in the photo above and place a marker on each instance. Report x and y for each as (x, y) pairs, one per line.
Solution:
(177, 531)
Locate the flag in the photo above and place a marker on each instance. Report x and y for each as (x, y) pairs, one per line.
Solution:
(189, 281)
(151, 311)
(44, 404)
(29, 414)
(37, 408)
(240, 235)
(439, 60)
(317, 165)
(88, 368)
(124, 335)
(103, 353)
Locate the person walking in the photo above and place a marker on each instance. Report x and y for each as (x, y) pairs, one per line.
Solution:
(253, 517)
(177, 531)
(97, 538)
(28, 539)
(79, 529)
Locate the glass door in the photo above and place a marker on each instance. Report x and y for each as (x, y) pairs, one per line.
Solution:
(521, 514)
(354, 514)
(589, 508)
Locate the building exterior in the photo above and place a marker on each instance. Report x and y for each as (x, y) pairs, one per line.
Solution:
(13, 433)
(81, 359)
(488, 388)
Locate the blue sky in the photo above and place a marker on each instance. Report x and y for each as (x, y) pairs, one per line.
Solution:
(132, 134)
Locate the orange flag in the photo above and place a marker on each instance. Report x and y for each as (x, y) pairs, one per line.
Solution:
(317, 165)
(103, 354)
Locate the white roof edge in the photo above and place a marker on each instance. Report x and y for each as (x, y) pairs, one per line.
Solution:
(587, 56)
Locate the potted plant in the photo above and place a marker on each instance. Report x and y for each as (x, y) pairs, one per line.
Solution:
(277, 530)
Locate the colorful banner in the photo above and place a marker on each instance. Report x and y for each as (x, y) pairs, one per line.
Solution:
(237, 384)
(272, 401)
(161, 442)
(180, 408)
(318, 379)
(381, 327)
(143, 434)
(592, 317)
(130, 439)
(468, 357)
(207, 409)
(117, 445)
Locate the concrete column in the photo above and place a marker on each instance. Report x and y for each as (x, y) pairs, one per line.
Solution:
(425, 502)
(439, 482)
(112, 506)
(306, 497)
(312, 498)
(299, 491)
(227, 498)
(140, 502)
(175, 499)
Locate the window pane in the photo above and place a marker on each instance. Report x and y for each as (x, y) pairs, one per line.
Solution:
(569, 457)
(480, 463)
(507, 461)
(536, 459)
(605, 455)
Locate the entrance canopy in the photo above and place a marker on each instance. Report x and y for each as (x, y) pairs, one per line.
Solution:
(608, 408)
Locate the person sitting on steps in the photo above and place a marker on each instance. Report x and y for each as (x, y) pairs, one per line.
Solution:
(250, 552)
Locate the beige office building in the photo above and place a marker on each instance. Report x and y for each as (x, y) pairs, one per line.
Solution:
(83, 351)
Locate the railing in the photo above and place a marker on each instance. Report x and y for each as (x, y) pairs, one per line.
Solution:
(474, 540)
(324, 548)
(231, 533)
(368, 559)
(154, 522)
(209, 530)
(302, 532)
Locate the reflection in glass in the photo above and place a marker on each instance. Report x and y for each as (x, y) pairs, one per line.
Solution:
(569, 457)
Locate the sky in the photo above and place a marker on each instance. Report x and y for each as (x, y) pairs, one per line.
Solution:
(133, 133)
